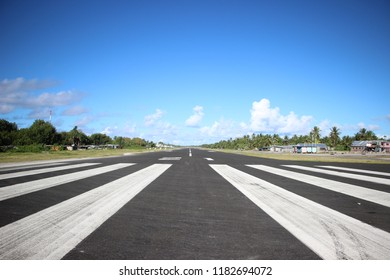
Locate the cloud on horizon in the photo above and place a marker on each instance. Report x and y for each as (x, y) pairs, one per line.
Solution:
(263, 119)
(266, 119)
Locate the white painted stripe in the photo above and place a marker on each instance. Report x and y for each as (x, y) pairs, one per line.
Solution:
(330, 234)
(53, 232)
(190, 153)
(356, 170)
(44, 170)
(375, 196)
(343, 174)
(37, 185)
(39, 162)
(209, 159)
(170, 158)
(26, 166)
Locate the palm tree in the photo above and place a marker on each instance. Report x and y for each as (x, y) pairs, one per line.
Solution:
(346, 142)
(267, 140)
(361, 135)
(334, 136)
(315, 133)
(370, 135)
(365, 134)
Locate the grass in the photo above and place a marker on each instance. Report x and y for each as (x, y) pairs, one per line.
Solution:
(53, 155)
(346, 158)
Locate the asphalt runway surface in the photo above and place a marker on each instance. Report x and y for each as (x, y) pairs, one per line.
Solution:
(194, 204)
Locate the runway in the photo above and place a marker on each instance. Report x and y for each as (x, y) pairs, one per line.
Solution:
(194, 204)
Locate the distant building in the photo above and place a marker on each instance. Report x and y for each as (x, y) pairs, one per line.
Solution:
(161, 145)
(282, 149)
(310, 148)
(371, 146)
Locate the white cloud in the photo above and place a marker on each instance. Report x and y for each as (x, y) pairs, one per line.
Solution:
(165, 128)
(222, 129)
(12, 100)
(162, 131)
(158, 129)
(84, 121)
(22, 85)
(151, 120)
(5, 108)
(109, 130)
(19, 94)
(324, 126)
(361, 125)
(39, 113)
(74, 111)
(128, 130)
(62, 98)
(371, 127)
(264, 118)
(196, 118)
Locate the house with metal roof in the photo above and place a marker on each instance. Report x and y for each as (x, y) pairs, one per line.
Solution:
(282, 149)
(370, 146)
(311, 148)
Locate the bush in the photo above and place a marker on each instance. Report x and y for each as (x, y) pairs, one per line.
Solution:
(342, 148)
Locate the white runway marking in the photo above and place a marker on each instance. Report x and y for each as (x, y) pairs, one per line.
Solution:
(22, 166)
(170, 158)
(356, 170)
(209, 159)
(190, 153)
(375, 196)
(330, 234)
(37, 185)
(44, 170)
(53, 232)
(343, 174)
(32, 164)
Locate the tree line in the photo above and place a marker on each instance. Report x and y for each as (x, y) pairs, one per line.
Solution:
(42, 133)
(332, 139)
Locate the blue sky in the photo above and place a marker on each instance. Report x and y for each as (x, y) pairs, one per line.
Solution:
(193, 72)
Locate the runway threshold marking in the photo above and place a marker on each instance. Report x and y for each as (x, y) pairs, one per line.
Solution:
(11, 167)
(209, 159)
(375, 196)
(330, 234)
(37, 185)
(343, 174)
(44, 170)
(356, 170)
(54, 231)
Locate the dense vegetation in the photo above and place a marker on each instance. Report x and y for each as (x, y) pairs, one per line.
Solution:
(333, 140)
(41, 135)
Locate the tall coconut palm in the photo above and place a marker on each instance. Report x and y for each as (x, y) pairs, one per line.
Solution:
(361, 135)
(365, 134)
(315, 133)
(334, 136)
